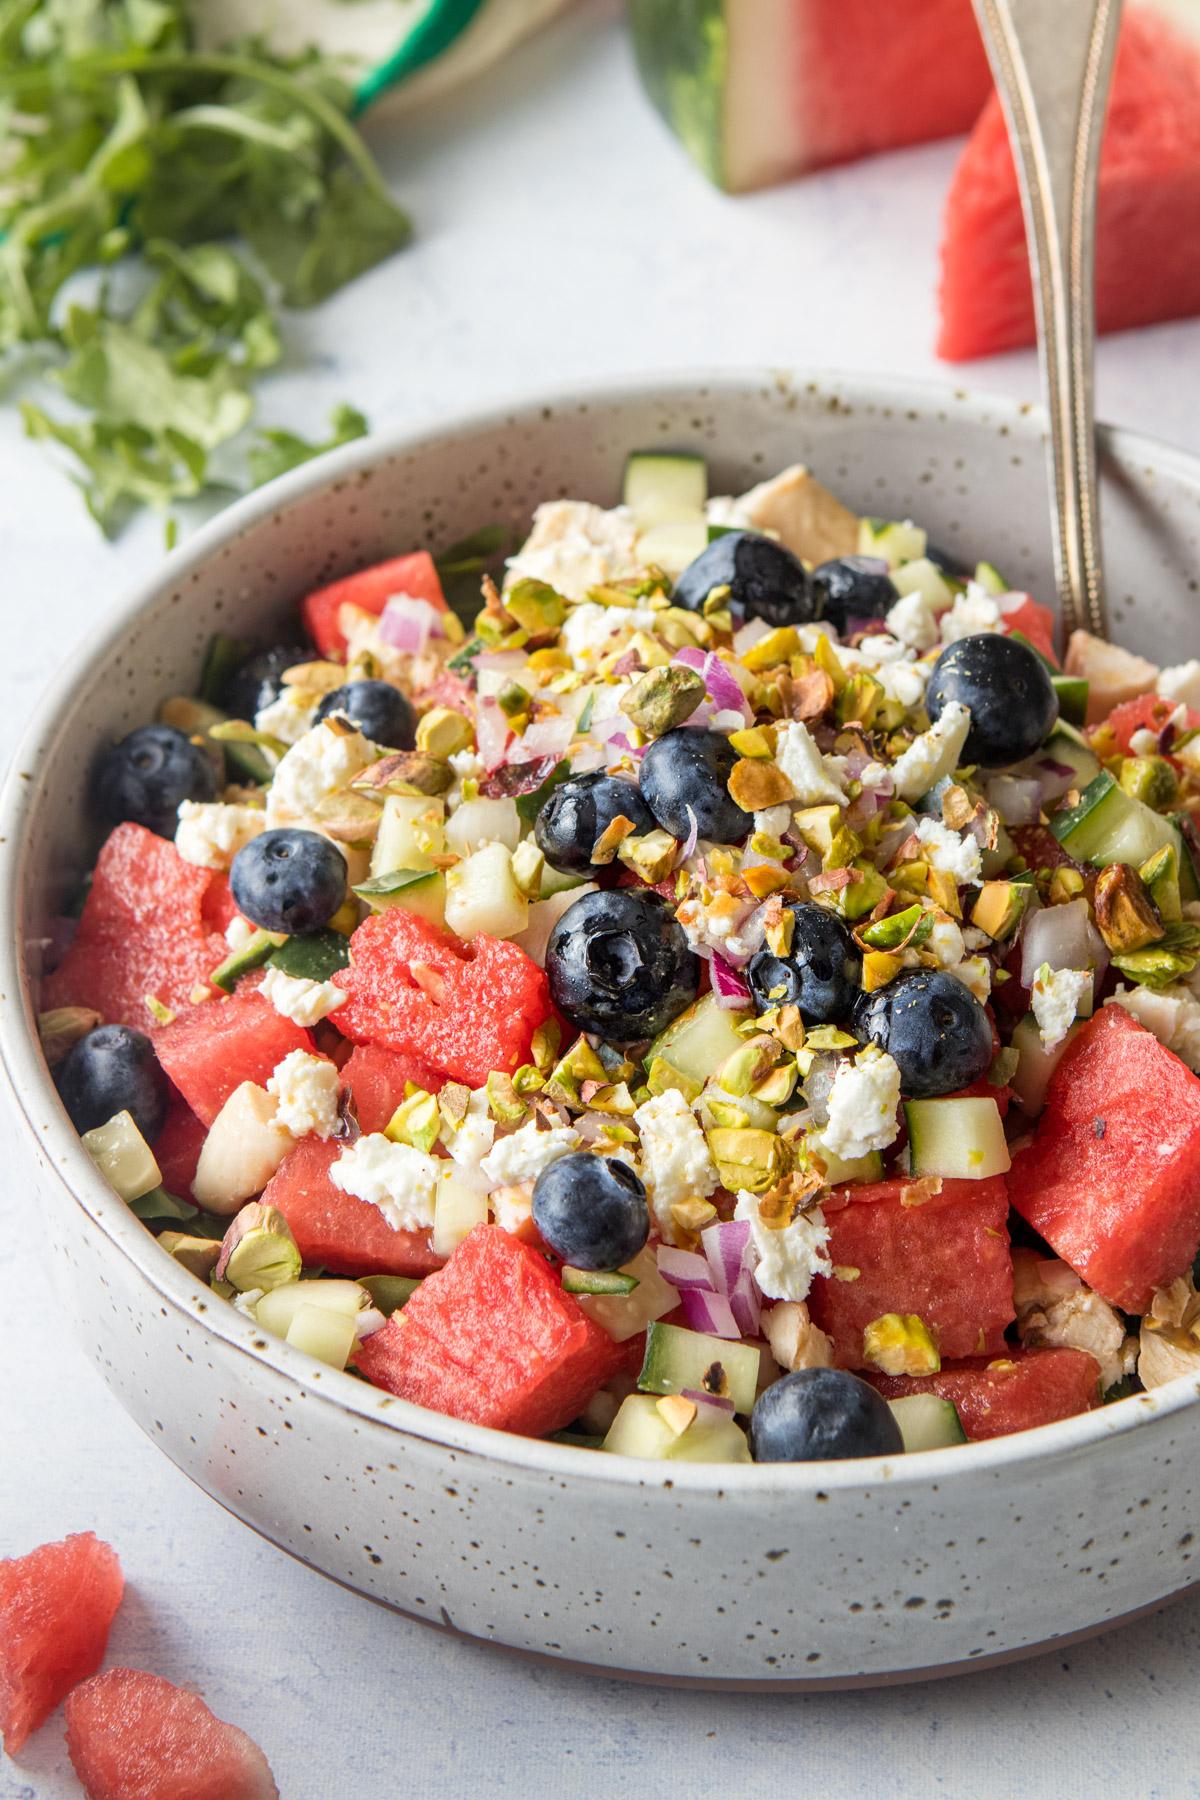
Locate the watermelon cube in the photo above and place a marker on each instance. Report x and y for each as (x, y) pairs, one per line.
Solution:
(1013, 1392)
(177, 1147)
(375, 1079)
(945, 1258)
(465, 1009)
(492, 1338)
(211, 1049)
(56, 1607)
(134, 1736)
(1110, 1178)
(369, 590)
(337, 1231)
(143, 932)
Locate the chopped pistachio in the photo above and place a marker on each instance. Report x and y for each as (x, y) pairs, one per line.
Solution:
(528, 1080)
(679, 628)
(1001, 907)
(739, 1072)
(162, 1015)
(901, 1344)
(943, 891)
(238, 731)
(763, 879)
(545, 1045)
(789, 1028)
(652, 855)
(1150, 779)
(859, 700)
(777, 1087)
(817, 826)
(775, 648)
(779, 932)
(258, 1250)
(862, 895)
(879, 967)
(776, 849)
(649, 652)
(902, 929)
(62, 1027)
(605, 848)
(513, 700)
(197, 1255)
(690, 1216)
(756, 741)
(844, 846)
(664, 698)
(661, 1076)
(405, 772)
(454, 1102)
(536, 607)
(579, 1064)
(826, 659)
(442, 731)
(504, 1103)
(1125, 918)
(416, 1121)
(748, 1158)
(829, 1037)
(316, 677)
(676, 1412)
(755, 784)
(1065, 884)
(528, 864)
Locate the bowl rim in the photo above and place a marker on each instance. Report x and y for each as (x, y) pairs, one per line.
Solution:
(60, 1149)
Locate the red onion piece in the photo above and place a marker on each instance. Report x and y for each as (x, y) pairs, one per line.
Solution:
(545, 737)
(731, 991)
(408, 624)
(1054, 778)
(684, 1269)
(709, 1312)
(728, 1248)
(491, 734)
(691, 656)
(745, 1305)
(723, 689)
(689, 846)
(717, 1402)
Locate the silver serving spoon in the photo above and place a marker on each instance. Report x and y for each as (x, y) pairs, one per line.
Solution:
(1052, 62)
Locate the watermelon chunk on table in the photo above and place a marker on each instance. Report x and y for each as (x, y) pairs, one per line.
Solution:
(134, 1736)
(1111, 1178)
(336, 1231)
(209, 1050)
(143, 931)
(369, 590)
(492, 1338)
(1012, 1392)
(57, 1605)
(375, 1080)
(1147, 255)
(758, 92)
(465, 1009)
(946, 1259)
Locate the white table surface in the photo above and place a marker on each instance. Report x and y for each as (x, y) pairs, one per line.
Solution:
(560, 234)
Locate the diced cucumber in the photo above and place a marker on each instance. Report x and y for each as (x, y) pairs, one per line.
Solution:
(412, 830)
(1036, 1064)
(253, 954)
(1068, 746)
(276, 1310)
(661, 485)
(123, 1157)
(960, 1139)
(419, 890)
(597, 1281)
(927, 1422)
(639, 1429)
(1072, 691)
(561, 881)
(459, 1207)
(316, 957)
(323, 1334)
(1110, 826)
(624, 1315)
(699, 1040)
(673, 543)
(482, 895)
(920, 576)
(677, 1359)
(989, 578)
(896, 542)
(842, 1169)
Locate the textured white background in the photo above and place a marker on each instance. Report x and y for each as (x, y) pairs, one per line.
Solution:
(560, 234)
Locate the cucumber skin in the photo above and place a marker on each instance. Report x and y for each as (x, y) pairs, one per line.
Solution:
(928, 1417)
(682, 52)
(666, 1345)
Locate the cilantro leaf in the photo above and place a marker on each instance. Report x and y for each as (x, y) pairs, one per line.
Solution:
(279, 451)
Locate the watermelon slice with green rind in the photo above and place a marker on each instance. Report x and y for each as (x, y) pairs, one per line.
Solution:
(57, 1605)
(134, 1736)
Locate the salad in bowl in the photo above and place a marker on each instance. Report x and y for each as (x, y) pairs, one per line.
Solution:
(699, 1003)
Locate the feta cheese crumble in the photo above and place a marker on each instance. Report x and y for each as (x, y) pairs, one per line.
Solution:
(475, 1135)
(933, 755)
(945, 942)
(1056, 998)
(797, 755)
(947, 850)
(575, 546)
(1172, 1014)
(675, 1158)
(790, 1255)
(297, 998)
(305, 1088)
(975, 972)
(400, 1181)
(972, 613)
(287, 718)
(862, 1106)
(913, 620)
(324, 760)
(526, 1152)
(210, 834)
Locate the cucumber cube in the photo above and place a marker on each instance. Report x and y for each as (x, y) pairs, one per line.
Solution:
(639, 1429)
(677, 1359)
(927, 1422)
(660, 487)
(962, 1140)
(123, 1157)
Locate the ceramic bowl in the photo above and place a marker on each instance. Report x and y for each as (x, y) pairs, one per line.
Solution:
(834, 1573)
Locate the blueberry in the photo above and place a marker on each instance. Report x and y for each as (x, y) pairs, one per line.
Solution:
(765, 581)
(578, 811)
(619, 965)
(690, 768)
(114, 1069)
(149, 774)
(258, 682)
(820, 1415)
(590, 1211)
(291, 881)
(948, 563)
(1011, 698)
(853, 587)
(379, 710)
(932, 1027)
(820, 973)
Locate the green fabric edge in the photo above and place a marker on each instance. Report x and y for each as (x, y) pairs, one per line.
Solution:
(443, 23)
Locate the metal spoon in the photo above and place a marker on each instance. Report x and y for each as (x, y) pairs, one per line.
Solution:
(1052, 62)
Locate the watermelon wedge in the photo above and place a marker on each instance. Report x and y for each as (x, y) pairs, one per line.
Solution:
(1013, 1392)
(209, 1050)
(759, 90)
(56, 1607)
(133, 1736)
(337, 1231)
(1147, 259)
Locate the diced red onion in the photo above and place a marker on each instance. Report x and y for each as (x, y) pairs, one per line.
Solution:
(591, 757)
(603, 729)
(728, 1248)
(731, 991)
(684, 1269)
(723, 688)
(619, 746)
(745, 1304)
(1018, 800)
(709, 1312)
(691, 656)
(1054, 778)
(408, 624)
(1065, 938)
(689, 845)
(368, 1322)
(717, 1402)
(501, 662)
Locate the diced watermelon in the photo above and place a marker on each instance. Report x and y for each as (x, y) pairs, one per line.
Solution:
(493, 1338)
(370, 590)
(334, 1230)
(56, 1608)
(1013, 1392)
(1149, 712)
(946, 1258)
(143, 932)
(177, 1147)
(1147, 266)
(1110, 1178)
(375, 1079)
(134, 1736)
(466, 1009)
(211, 1049)
(1035, 622)
(759, 92)
(219, 908)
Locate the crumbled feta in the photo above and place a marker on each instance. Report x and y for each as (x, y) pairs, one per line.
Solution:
(1172, 1014)
(862, 1106)
(933, 755)
(588, 628)
(238, 932)
(953, 853)
(470, 1143)
(324, 760)
(210, 834)
(810, 635)
(1182, 682)
(914, 622)
(797, 755)
(297, 998)
(945, 942)
(1056, 997)
(790, 1255)
(1143, 742)
(467, 765)
(875, 651)
(525, 1153)
(972, 612)
(289, 717)
(512, 1208)
(675, 1158)
(575, 546)
(773, 821)
(305, 1088)
(975, 972)
(905, 681)
(400, 1181)
(723, 509)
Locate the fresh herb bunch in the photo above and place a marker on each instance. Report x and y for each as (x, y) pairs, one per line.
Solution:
(127, 149)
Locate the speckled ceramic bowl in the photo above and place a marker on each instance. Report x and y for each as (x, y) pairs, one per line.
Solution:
(861, 1571)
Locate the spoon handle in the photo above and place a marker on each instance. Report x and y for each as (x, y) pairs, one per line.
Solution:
(1052, 62)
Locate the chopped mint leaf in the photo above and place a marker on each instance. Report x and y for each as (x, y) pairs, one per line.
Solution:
(278, 451)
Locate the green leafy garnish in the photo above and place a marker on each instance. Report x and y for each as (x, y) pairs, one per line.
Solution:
(530, 805)
(278, 451)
